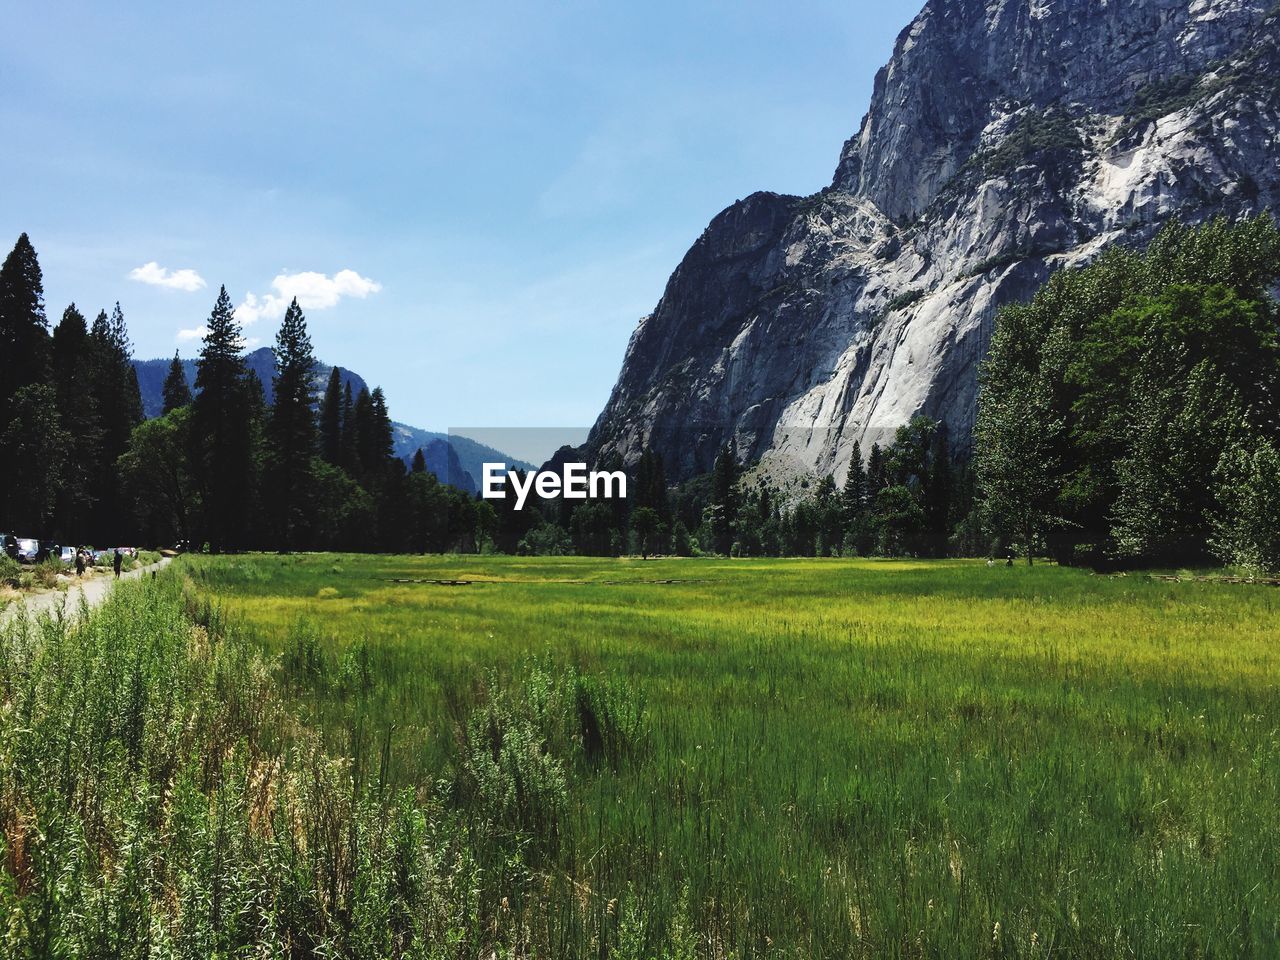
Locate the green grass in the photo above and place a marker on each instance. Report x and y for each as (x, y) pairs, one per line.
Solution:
(841, 758)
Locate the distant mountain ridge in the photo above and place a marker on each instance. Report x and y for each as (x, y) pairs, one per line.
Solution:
(262, 362)
(455, 460)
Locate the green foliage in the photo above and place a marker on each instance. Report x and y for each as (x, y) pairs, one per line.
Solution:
(24, 330)
(9, 571)
(648, 527)
(1108, 400)
(34, 446)
(156, 478)
(904, 300)
(1247, 521)
(331, 419)
(224, 431)
(1050, 140)
(723, 510)
(507, 776)
(118, 407)
(1166, 95)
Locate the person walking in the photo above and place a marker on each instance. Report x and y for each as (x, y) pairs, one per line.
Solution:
(117, 560)
(79, 564)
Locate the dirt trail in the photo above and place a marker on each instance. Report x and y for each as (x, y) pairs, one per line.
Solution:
(94, 590)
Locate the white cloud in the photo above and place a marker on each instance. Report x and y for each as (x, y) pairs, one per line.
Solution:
(315, 291)
(155, 275)
(195, 333)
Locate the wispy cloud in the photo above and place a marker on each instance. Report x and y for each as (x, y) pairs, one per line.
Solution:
(315, 291)
(154, 275)
(194, 333)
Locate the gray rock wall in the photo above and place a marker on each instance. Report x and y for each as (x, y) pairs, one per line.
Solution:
(1005, 139)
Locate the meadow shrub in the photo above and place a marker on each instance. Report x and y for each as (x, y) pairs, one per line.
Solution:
(507, 775)
(355, 672)
(46, 573)
(610, 715)
(304, 659)
(10, 570)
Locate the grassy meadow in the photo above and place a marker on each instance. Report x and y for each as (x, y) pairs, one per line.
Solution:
(570, 758)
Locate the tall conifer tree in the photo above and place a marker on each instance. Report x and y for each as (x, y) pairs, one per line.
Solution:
(291, 429)
(331, 419)
(222, 448)
(24, 330)
(177, 392)
(73, 362)
(350, 453)
(724, 495)
(119, 405)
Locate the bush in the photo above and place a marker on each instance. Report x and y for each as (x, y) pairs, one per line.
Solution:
(46, 573)
(355, 672)
(610, 720)
(10, 571)
(521, 741)
(304, 660)
(1247, 525)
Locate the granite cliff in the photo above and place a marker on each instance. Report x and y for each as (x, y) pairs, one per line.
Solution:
(1005, 139)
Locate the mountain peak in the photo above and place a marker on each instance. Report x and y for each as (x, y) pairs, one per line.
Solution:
(1004, 139)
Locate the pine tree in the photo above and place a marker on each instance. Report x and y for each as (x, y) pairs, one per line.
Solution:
(331, 419)
(724, 500)
(24, 330)
(651, 492)
(383, 444)
(877, 478)
(938, 493)
(828, 517)
(854, 500)
(177, 392)
(419, 464)
(349, 458)
(364, 437)
(222, 447)
(291, 429)
(73, 371)
(119, 405)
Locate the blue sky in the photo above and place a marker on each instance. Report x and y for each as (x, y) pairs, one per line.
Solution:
(474, 202)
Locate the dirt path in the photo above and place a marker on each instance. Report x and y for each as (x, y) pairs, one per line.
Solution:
(94, 590)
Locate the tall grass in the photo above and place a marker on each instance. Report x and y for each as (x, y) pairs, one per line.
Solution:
(782, 759)
(158, 798)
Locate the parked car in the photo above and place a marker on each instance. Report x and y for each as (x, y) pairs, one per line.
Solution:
(29, 551)
(68, 556)
(9, 545)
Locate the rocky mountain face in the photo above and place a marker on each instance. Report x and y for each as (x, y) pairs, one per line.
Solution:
(1005, 139)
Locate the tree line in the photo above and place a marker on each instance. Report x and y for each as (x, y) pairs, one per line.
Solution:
(224, 470)
(1127, 415)
(221, 468)
(912, 497)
